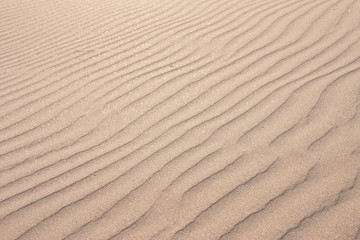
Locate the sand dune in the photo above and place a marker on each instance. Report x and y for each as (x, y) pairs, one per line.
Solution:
(195, 119)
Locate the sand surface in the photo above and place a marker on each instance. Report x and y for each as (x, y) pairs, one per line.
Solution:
(179, 119)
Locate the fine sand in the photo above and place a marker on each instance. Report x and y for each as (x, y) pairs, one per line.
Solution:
(179, 119)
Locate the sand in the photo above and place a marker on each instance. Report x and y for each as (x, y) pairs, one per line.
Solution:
(195, 119)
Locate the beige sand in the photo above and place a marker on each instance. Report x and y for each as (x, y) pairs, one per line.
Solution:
(195, 119)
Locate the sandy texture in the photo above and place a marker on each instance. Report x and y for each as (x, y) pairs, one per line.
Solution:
(173, 119)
